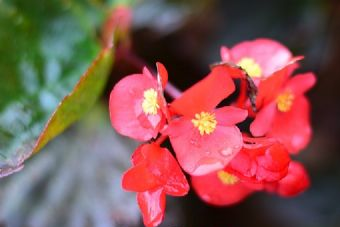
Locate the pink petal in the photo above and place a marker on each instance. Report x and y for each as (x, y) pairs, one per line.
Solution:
(225, 54)
(125, 107)
(263, 120)
(199, 155)
(152, 206)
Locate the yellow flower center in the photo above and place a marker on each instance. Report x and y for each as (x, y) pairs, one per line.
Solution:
(284, 101)
(205, 122)
(227, 178)
(150, 102)
(251, 67)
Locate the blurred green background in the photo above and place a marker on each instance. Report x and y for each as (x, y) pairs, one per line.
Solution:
(75, 180)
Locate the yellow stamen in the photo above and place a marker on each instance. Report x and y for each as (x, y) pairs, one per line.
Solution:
(284, 101)
(150, 102)
(205, 122)
(251, 67)
(227, 178)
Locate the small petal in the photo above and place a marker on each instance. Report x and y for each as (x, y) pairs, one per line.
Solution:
(152, 206)
(225, 54)
(263, 120)
(205, 94)
(229, 115)
(162, 75)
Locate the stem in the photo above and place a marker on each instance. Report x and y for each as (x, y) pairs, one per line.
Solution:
(161, 139)
(172, 91)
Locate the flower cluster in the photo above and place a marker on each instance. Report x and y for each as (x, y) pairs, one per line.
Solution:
(225, 165)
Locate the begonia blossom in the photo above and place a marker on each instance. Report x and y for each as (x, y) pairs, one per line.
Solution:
(154, 174)
(137, 105)
(284, 111)
(205, 138)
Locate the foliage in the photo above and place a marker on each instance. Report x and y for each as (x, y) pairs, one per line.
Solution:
(54, 42)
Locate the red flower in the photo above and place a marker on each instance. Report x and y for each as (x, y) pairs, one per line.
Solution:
(296, 182)
(260, 160)
(220, 188)
(206, 139)
(284, 110)
(154, 174)
(137, 105)
(259, 58)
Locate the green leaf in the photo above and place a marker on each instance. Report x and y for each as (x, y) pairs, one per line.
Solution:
(80, 100)
(45, 48)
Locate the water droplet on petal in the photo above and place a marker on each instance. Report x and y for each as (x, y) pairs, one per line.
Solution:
(237, 147)
(194, 142)
(206, 197)
(226, 151)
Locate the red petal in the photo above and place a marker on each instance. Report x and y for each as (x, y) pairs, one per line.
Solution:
(137, 156)
(229, 115)
(199, 155)
(125, 107)
(163, 169)
(163, 165)
(205, 94)
(162, 74)
(177, 184)
(269, 88)
(293, 128)
(155, 167)
(211, 190)
(273, 164)
(152, 206)
(269, 54)
(263, 120)
(264, 161)
(294, 183)
(301, 83)
(139, 179)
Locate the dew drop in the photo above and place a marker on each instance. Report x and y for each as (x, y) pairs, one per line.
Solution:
(237, 147)
(194, 142)
(226, 151)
